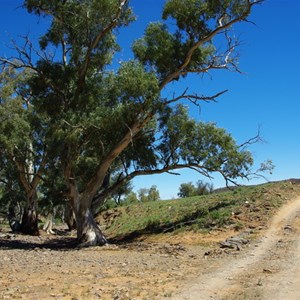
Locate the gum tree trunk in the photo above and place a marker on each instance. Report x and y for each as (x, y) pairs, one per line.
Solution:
(69, 217)
(88, 231)
(29, 223)
(30, 179)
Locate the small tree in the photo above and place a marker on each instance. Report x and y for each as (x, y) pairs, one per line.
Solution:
(153, 193)
(187, 190)
(204, 188)
(143, 195)
(190, 190)
(147, 195)
(131, 198)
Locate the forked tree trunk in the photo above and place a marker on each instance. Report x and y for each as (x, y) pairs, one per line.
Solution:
(29, 223)
(88, 232)
(69, 217)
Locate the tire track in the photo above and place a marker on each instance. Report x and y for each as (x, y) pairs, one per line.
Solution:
(229, 281)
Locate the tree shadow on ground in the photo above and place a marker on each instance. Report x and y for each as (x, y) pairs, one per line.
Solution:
(62, 243)
(10, 241)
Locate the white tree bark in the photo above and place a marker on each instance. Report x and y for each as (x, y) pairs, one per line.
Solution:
(48, 226)
(88, 231)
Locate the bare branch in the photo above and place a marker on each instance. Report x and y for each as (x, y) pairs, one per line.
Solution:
(24, 60)
(195, 98)
(256, 139)
(223, 60)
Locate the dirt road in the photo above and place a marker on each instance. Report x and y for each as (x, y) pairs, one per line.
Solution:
(270, 269)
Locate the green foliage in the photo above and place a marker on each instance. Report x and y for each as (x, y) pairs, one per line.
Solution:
(109, 204)
(201, 144)
(153, 194)
(79, 24)
(267, 166)
(164, 52)
(123, 193)
(130, 199)
(77, 116)
(14, 119)
(53, 191)
(190, 190)
(186, 190)
(148, 195)
(196, 16)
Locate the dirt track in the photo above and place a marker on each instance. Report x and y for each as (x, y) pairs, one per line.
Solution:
(270, 269)
(44, 268)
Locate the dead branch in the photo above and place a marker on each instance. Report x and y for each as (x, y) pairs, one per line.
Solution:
(196, 98)
(256, 139)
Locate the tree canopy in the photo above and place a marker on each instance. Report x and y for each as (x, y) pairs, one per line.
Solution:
(77, 111)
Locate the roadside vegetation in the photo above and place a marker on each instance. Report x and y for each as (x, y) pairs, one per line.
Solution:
(238, 209)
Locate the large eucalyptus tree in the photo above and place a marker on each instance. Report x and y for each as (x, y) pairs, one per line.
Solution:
(107, 118)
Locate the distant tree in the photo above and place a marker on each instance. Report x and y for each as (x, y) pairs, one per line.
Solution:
(190, 190)
(147, 195)
(108, 204)
(204, 188)
(102, 117)
(12, 198)
(130, 198)
(53, 202)
(143, 195)
(187, 190)
(153, 193)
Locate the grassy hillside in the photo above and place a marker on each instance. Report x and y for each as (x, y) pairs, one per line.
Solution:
(242, 208)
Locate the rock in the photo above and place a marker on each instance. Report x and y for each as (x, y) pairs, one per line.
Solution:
(267, 271)
(234, 243)
(227, 245)
(288, 227)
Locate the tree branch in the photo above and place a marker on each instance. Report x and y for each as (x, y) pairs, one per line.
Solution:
(208, 38)
(96, 181)
(24, 60)
(195, 98)
(257, 138)
(100, 197)
(95, 42)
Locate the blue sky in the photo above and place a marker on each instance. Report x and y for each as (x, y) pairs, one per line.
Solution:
(267, 95)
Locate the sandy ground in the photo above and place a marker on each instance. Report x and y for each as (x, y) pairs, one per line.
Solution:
(47, 267)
